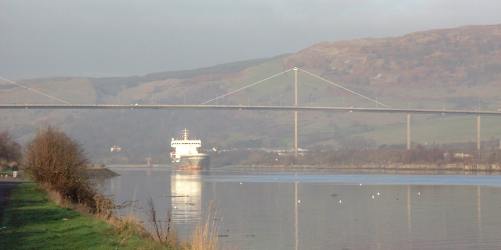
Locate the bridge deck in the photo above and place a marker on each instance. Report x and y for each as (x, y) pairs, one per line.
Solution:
(246, 107)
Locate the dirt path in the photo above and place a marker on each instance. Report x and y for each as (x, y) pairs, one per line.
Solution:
(6, 185)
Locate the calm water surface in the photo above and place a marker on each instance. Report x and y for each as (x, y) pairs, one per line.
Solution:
(322, 209)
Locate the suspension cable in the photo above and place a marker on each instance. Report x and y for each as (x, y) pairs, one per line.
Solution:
(345, 89)
(245, 87)
(35, 90)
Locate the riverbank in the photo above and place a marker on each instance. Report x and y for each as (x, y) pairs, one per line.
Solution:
(382, 167)
(99, 171)
(31, 221)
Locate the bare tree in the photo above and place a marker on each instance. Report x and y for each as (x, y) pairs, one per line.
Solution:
(10, 151)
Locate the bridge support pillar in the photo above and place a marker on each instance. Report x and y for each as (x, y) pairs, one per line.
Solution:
(295, 135)
(295, 113)
(478, 133)
(408, 132)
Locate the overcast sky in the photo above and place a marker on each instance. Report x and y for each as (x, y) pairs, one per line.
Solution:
(127, 37)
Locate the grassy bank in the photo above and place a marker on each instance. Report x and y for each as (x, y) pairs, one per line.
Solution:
(31, 221)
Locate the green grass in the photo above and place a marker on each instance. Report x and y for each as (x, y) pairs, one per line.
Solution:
(33, 222)
(437, 130)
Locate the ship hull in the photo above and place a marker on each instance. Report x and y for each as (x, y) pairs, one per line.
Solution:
(192, 162)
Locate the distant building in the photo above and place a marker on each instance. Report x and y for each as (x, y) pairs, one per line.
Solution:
(115, 149)
(462, 156)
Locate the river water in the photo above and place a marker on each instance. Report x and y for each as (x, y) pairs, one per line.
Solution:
(320, 209)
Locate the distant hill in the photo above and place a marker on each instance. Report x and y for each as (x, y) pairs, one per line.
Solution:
(462, 56)
(455, 68)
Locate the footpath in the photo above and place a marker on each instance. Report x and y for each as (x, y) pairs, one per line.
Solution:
(6, 186)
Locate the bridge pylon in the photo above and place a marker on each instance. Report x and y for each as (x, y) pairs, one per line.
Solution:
(295, 69)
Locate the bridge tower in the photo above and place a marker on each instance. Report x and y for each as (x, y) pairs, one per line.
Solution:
(295, 69)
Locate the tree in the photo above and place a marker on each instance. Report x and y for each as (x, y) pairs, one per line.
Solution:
(10, 151)
(57, 161)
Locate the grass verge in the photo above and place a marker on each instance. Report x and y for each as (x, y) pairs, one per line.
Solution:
(31, 221)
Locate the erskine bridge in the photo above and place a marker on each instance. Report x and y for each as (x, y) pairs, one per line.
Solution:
(293, 108)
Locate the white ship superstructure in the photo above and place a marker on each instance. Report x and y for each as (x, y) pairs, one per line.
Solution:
(186, 152)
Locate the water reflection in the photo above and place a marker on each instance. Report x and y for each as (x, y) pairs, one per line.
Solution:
(186, 197)
(479, 213)
(409, 210)
(308, 211)
(296, 216)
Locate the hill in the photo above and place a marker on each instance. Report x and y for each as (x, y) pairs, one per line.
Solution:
(454, 68)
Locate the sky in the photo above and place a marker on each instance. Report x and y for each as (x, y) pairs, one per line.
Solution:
(46, 38)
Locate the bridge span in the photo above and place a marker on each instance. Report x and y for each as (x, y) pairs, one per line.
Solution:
(249, 107)
(295, 109)
(380, 108)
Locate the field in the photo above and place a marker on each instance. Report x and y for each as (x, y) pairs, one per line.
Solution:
(437, 130)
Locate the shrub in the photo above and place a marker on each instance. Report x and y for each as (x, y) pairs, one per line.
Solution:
(58, 162)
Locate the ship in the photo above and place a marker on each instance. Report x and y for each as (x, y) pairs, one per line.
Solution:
(186, 155)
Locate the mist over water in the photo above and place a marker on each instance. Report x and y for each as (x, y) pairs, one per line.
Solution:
(333, 210)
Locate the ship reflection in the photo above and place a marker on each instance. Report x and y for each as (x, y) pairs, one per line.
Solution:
(186, 196)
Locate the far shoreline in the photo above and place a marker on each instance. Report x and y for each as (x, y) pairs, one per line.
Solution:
(494, 168)
(388, 168)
